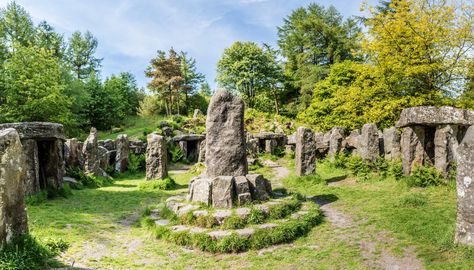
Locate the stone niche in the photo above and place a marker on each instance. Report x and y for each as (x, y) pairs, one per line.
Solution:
(43, 148)
(190, 144)
(267, 142)
(431, 135)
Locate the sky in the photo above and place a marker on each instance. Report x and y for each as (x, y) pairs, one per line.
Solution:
(130, 32)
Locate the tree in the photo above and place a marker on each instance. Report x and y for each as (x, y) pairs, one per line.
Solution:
(125, 86)
(80, 54)
(46, 37)
(311, 39)
(422, 46)
(191, 78)
(34, 89)
(166, 76)
(16, 27)
(247, 69)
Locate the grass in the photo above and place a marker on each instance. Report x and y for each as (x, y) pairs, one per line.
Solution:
(134, 127)
(99, 225)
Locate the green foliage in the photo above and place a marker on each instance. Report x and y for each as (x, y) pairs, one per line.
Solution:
(87, 180)
(256, 216)
(162, 184)
(38, 198)
(234, 222)
(422, 176)
(197, 168)
(136, 163)
(176, 153)
(26, 253)
(80, 54)
(206, 221)
(258, 164)
(413, 200)
(359, 167)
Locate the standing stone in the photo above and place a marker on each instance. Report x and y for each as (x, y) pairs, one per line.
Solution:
(73, 153)
(270, 146)
(305, 153)
(446, 145)
(90, 155)
(183, 145)
(252, 148)
(13, 218)
(412, 147)
(104, 157)
(32, 178)
(336, 136)
(259, 187)
(391, 143)
(123, 150)
(156, 157)
(352, 142)
(369, 143)
(322, 144)
(465, 190)
(197, 113)
(225, 137)
(222, 191)
(202, 151)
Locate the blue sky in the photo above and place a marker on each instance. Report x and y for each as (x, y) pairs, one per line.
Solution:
(130, 32)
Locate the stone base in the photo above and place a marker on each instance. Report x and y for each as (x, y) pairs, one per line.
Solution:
(229, 191)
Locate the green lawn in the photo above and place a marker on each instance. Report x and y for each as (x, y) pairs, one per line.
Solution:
(134, 127)
(99, 225)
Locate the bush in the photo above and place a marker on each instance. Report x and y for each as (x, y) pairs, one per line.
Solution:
(38, 198)
(88, 180)
(256, 216)
(234, 222)
(359, 167)
(395, 169)
(176, 153)
(197, 168)
(422, 176)
(413, 200)
(24, 252)
(136, 163)
(340, 160)
(164, 184)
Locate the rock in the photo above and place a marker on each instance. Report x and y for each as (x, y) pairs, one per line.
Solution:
(200, 190)
(290, 149)
(252, 148)
(197, 113)
(412, 146)
(336, 136)
(13, 217)
(162, 222)
(202, 151)
(352, 142)
(432, 116)
(137, 147)
(369, 143)
(31, 179)
(163, 124)
(123, 151)
(246, 232)
(465, 190)
(222, 191)
(269, 136)
(107, 144)
(156, 157)
(225, 136)
(183, 145)
(446, 145)
(180, 228)
(267, 226)
(90, 154)
(305, 153)
(264, 208)
(200, 213)
(186, 209)
(104, 157)
(258, 187)
(322, 144)
(244, 198)
(219, 234)
(188, 137)
(391, 143)
(270, 146)
(167, 131)
(37, 130)
(222, 215)
(243, 212)
(241, 185)
(291, 139)
(73, 153)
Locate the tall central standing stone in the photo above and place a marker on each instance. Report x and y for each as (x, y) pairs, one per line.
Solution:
(225, 137)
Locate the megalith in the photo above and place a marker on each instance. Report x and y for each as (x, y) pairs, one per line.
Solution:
(336, 137)
(391, 143)
(73, 153)
(446, 144)
(123, 150)
(225, 137)
(156, 157)
(412, 147)
(13, 218)
(305, 153)
(91, 155)
(369, 143)
(465, 190)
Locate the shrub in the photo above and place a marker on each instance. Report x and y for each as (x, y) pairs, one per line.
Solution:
(256, 216)
(422, 176)
(413, 200)
(395, 169)
(56, 246)
(176, 153)
(359, 167)
(234, 222)
(37, 198)
(87, 180)
(25, 253)
(340, 160)
(197, 168)
(206, 221)
(136, 163)
(164, 184)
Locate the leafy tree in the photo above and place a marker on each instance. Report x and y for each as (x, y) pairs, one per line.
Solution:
(247, 69)
(311, 39)
(46, 37)
(165, 72)
(125, 86)
(80, 54)
(422, 46)
(191, 77)
(33, 88)
(16, 27)
(205, 89)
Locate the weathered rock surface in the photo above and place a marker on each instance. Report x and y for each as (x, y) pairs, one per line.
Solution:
(123, 151)
(225, 136)
(305, 153)
(432, 116)
(90, 155)
(13, 218)
(242, 189)
(446, 144)
(37, 130)
(336, 137)
(465, 190)
(73, 153)
(202, 151)
(104, 157)
(391, 143)
(322, 143)
(223, 191)
(200, 190)
(259, 187)
(156, 157)
(412, 147)
(270, 146)
(31, 168)
(107, 144)
(369, 143)
(137, 147)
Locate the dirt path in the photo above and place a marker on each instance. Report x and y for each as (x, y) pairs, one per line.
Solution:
(369, 242)
(279, 173)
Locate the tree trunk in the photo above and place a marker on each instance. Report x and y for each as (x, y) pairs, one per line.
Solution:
(277, 111)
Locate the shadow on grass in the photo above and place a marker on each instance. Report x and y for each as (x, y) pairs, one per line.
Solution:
(336, 179)
(324, 199)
